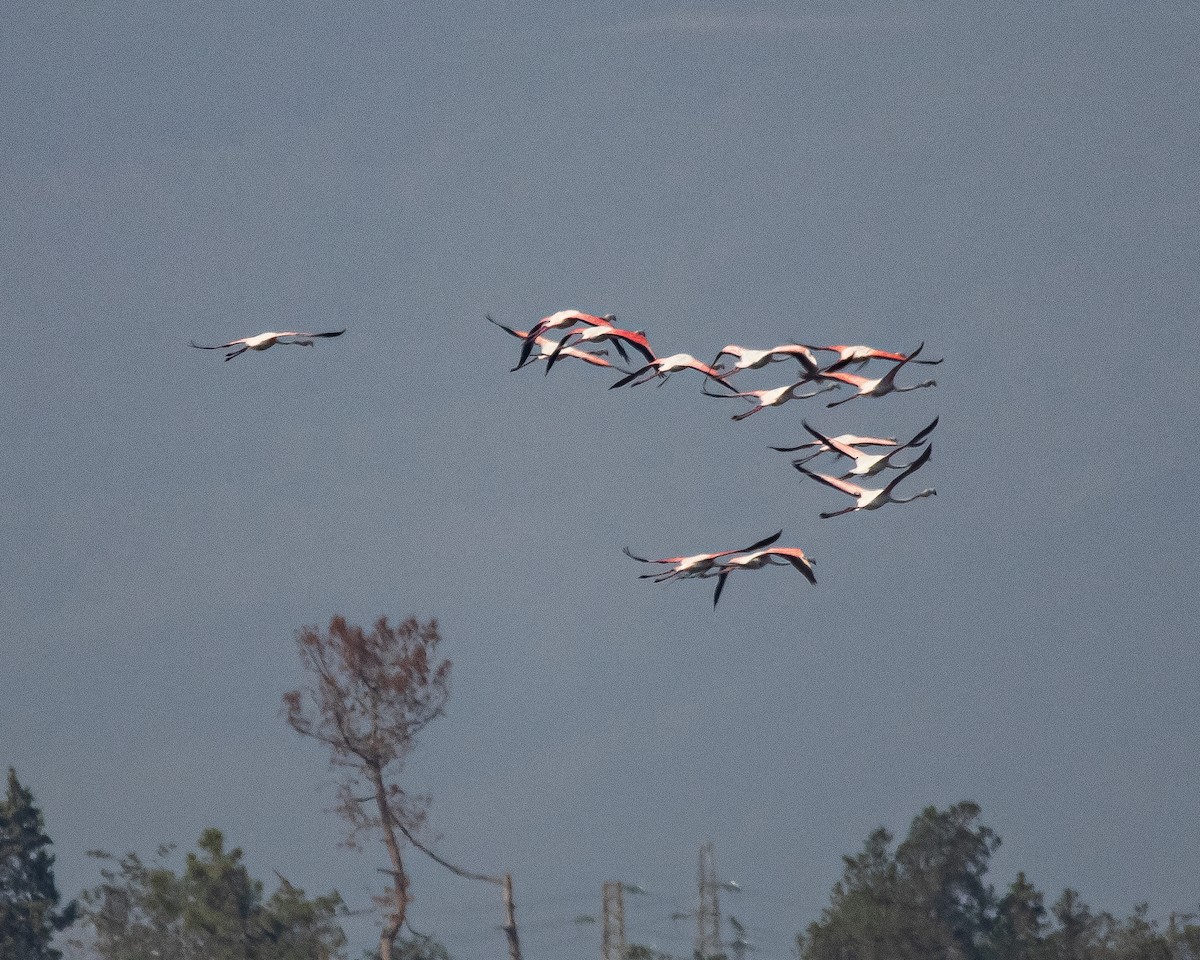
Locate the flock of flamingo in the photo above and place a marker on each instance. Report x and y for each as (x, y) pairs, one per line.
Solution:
(577, 330)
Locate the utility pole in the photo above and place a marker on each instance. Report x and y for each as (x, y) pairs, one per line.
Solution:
(612, 943)
(510, 920)
(708, 916)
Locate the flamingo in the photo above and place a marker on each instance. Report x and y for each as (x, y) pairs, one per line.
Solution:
(264, 341)
(548, 345)
(559, 321)
(872, 498)
(770, 398)
(880, 386)
(748, 359)
(850, 439)
(773, 557)
(594, 334)
(697, 564)
(665, 365)
(859, 354)
(869, 464)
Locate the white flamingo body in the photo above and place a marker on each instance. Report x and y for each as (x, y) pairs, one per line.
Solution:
(548, 347)
(849, 439)
(769, 557)
(872, 498)
(264, 341)
(696, 565)
(559, 321)
(607, 332)
(672, 364)
(775, 397)
(752, 359)
(859, 354)
(869, 464)
(877, 387)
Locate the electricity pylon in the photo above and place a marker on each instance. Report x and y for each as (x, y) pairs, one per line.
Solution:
(612, 937)
(708, 915)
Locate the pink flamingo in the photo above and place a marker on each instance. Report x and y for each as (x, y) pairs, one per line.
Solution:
(772, 557)
(750, 359)
(770, 398)
(264, 341)
(878, 387)
(559, 321)
(850, 439)
(596, 334)
(869, 498)
(548, 345)
(695, 565)
(859, 354)
(868, 464)
(666, 365)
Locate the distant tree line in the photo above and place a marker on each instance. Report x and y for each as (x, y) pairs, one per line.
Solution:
(929, 898)
(372, 692)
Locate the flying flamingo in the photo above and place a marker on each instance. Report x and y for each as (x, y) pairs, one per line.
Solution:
(666, 365)
(858, 354)
(264, 341)
(772, 557)
(749, 359)
(548, 345)
(596, 334)
(850, 439)
(770, 398)
(880, 386)
(868, 464)
(559, 321)
(697, 564)
(870, 498)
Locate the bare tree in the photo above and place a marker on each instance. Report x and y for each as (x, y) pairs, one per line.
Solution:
(374, 692)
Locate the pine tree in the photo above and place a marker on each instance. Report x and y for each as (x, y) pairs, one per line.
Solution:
(29, 898)
(213, 910)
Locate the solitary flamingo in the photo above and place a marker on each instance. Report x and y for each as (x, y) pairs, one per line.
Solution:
(850, 439)
(769, 398)
(618, 337)
(868, 464)
(773, 557)
(695, 565)
(859, 354)
(750, 359)
(880, 386)
(559, 321)
(666, 365)
(264, 341)
(872, 498)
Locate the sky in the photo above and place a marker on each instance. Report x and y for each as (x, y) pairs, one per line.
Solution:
(1015, 186)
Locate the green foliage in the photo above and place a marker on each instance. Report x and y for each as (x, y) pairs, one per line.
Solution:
(212, 911)
(417, 947)
(929, 900)
(637, 951)
(28, 894)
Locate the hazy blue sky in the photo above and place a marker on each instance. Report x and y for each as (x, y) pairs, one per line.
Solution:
(1014, 185)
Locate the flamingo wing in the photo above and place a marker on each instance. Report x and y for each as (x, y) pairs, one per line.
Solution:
(833, 443)
(633, 376)
(919, 437)
(219, 346)
(836, 482)
(911, 468)
(798, 560)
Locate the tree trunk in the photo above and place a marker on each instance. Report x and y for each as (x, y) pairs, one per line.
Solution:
(391, 929)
